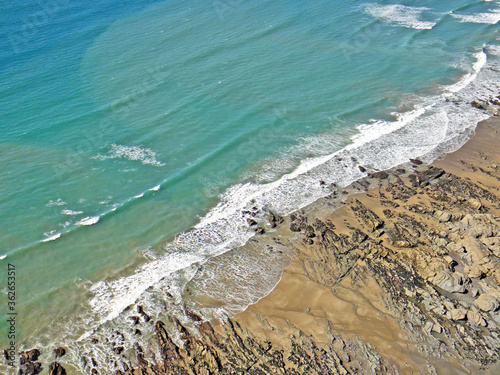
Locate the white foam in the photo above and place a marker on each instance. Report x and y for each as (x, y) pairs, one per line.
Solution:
(481, 59)
(492, 17)
(90, 220)
(156, 188)
(139, 196)
(58, 202)
(142, 154)
(52, 237)
(399, 15)
(3, 257)
(71, 212)
(112, 298)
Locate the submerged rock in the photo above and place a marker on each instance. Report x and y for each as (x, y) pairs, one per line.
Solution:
(56, 369)
(59, 352)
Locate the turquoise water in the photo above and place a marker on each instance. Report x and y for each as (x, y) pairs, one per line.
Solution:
(126, 123)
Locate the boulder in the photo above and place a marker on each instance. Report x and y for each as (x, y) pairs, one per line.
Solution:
(450, 282)
(486, 302)
(29, 356)
(473, 272)
(458, 314)
(251, 222)
(379, 175)
(30, 368)
(59, 352)
(477, 250)
(476, 318)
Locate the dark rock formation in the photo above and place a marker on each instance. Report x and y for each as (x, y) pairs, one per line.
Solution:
(59, 352)
(56, 369)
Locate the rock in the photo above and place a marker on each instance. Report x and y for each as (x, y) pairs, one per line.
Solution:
(260, 230)
(298, 222)
(493, 243)
(455, 247)
(361, 169)
(29, 356)
(476, 318)
(379, 175)
(477, 105)
(251, 222)
(141, 311)
(368, 217)
(428, 327)
(56, 369)
(486, 302)
(59, 352)
(436, 327)
(416, 161)
(442, 216)
(402, 236)
(450, 282)
(310, 232)
(118, 349)
(30, 368)
(475, 203)
(271, 219)
(457, 314)
(473, 272)
(477, 250)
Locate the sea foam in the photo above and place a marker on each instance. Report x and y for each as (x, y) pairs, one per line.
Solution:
(399, 15)
(492, 17)
(143, 154)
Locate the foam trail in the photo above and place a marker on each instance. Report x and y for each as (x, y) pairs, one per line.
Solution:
(52, 238)
(470, 77)
(91, 220)
(493, 17)
(143, 154)
(399, 15)
(126, 291)
(71, 212)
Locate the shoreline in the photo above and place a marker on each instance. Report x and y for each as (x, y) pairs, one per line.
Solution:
(334, 299)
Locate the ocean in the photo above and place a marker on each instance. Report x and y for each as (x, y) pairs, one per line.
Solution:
(134, 133)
